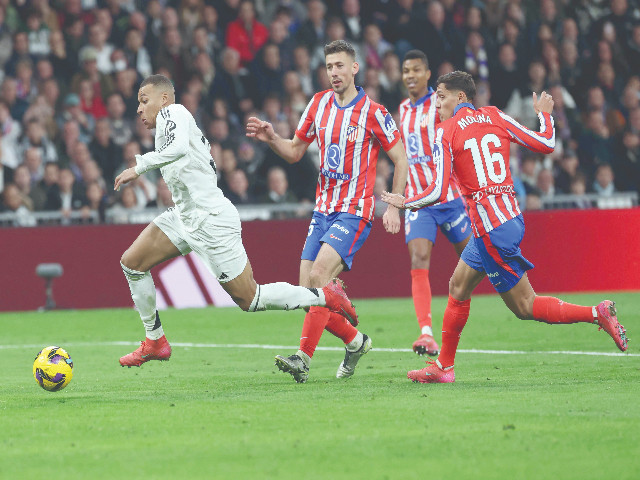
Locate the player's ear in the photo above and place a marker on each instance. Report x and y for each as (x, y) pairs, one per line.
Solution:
(355, 68)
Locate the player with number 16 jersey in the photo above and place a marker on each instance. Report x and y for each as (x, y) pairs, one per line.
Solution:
(474, 144)
(479, 141)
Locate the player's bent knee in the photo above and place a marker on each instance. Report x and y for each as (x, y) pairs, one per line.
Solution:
(318, 278)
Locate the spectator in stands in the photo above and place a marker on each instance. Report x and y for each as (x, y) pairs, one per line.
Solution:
(544, 183)
(104, 149)
(34, 164)
(239, 193)
(68, 197)
(302, 67)
(101, 83)
(33, 196)
(144, 186)
(246, 35)
(268, 71)
(565, 116)
(80, 155)
(50, 179)
(38, 34)
(96, 200)
(352, 21)
(633, 50)
(10, 130)
(603, 184)
(121, 126)
(595, 144)
(533, 201)
(25, 86)
(20, 52)
(311, 33)
(505, 76)
(9, 94)
(124, 85)
(91, 102)
(63, 64)
(91, 173)
(278, 187)
(13, 202)
(126, 203)
(566, 171)
(230, 83)
(476, 59)
(35, 136)
(279, 36)
(136, 53)
(375, 46)
(6, 41)
(626, 162)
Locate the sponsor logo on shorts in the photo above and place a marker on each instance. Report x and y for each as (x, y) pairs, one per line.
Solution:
(341, 228)
(334, 237)
(493, 275)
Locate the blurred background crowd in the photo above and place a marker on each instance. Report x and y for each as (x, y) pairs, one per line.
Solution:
(70, 70)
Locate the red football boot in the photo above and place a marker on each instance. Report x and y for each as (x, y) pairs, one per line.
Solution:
(432, 373)
(426, 344)
(338, 302)
(608, 321)
(148, 350)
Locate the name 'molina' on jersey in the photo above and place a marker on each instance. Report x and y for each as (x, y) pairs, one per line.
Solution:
(349, 139)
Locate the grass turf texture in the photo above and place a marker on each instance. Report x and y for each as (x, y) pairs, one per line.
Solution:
(229, 413)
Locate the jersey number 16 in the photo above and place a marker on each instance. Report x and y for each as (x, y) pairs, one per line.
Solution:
(487, 159)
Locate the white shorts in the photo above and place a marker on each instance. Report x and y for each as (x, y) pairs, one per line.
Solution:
(217, 242)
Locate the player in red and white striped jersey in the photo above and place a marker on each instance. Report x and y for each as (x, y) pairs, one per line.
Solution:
(349, 129)
(418, 121)
(474, 145)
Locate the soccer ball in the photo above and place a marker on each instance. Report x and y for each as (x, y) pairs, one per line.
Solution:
(53, 368)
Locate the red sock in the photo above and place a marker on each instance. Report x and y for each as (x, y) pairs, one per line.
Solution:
(553, 310)
(312, 328)
(421, 292)
(455, 318)
(341, 328)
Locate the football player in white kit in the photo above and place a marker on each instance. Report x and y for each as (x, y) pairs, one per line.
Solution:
(202, 221)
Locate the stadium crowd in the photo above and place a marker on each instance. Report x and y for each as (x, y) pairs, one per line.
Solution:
(70, 70)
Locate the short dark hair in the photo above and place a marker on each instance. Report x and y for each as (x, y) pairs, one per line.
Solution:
(338, 46)
(416, 55)
(158, 81)
(460, 81)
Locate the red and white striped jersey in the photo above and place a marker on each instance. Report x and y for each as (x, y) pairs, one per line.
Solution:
(473, 145)
(418, 129)
(349, 139)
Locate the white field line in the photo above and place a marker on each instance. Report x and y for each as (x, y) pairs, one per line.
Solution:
(295, 347)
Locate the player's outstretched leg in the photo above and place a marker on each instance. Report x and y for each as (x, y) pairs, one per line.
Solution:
(432, 373)
(338, 302)
(608, 321)
(353, 353)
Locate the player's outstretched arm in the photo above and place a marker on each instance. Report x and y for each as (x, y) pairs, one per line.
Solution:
(397, 154)
(543, 141)
(125, 177)
(290, 150)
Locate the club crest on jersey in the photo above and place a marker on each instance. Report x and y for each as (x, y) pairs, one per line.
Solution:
(352, 132)
(424, 121)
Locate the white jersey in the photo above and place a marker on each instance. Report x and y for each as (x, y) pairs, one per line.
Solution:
(183, 155)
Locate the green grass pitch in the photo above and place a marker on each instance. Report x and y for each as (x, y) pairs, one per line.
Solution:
(219, 411)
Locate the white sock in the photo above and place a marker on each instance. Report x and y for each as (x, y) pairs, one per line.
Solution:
(284, 296)
(427, 331)
(355, 344)
(143, 293)
(305, 358)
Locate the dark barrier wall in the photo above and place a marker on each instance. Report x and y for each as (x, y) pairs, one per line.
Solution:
(573, 250)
